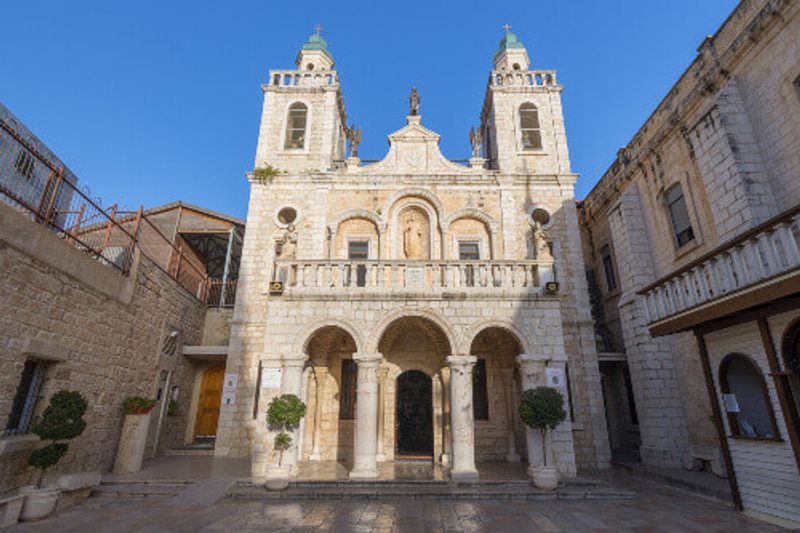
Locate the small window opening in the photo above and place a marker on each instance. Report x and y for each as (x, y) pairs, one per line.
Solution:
(529, 125)
(296, 126)
(679, 215)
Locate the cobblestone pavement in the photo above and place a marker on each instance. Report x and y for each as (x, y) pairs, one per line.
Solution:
(657, 508)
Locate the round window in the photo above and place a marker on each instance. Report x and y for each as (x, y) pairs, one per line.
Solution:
(287, 215)
(540, 216)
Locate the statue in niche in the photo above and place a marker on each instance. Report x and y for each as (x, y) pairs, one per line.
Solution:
(540, 244)
(413, 102)
(413, 235)
(353, 135)
(287, 248)
(475, 141)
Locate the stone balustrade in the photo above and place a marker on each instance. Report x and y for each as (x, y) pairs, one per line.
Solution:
(303, 78)
(528, 276)
(766, 253)
(523, 78)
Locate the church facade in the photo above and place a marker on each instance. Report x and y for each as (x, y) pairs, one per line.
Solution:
(409, 301)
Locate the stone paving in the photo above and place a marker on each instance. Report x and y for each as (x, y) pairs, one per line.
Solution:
(658, 508)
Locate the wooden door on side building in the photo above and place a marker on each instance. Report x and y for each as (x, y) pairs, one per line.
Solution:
(208, 404)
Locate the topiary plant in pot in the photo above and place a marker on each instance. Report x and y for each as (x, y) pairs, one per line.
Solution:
(61, 421)
(542, 408)
(284, 414)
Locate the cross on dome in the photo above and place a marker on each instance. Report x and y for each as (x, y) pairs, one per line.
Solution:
(318, 29)
(506, 27)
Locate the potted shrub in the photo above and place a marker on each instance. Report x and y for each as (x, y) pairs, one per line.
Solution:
(542, 408)
(284, 413)
(61, 421)
(133, 440)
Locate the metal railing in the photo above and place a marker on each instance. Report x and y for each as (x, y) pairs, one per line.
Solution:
(221, 293)
(44, 191)
(763, 253)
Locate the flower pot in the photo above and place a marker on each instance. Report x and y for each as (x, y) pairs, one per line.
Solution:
(10, 507)
(277, 478)
(39, 503)
(132, 443)
(545, 477)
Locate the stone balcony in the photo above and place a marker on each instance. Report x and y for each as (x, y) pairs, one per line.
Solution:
(303, 78)
(407, 278)
(523, 78)
(759, 266)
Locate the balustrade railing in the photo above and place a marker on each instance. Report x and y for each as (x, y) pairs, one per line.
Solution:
(523, 78)
(763, 253)
(381, 275)
(303, 78)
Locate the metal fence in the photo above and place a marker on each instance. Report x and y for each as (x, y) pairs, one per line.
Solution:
(44, 191)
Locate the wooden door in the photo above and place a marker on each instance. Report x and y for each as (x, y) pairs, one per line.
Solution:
(208, 405)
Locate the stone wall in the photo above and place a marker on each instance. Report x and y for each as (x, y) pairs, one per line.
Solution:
(101, 334)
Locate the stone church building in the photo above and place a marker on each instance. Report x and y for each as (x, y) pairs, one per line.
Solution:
(409, 301)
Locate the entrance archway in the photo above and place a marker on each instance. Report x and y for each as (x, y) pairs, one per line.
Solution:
(414, 415)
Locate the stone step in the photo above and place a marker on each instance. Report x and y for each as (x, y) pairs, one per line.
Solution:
(140, 489)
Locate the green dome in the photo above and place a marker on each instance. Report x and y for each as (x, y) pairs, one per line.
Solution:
(509, 40)
(316, 42)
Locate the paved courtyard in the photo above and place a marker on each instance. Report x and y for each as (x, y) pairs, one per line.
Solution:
(657, 508)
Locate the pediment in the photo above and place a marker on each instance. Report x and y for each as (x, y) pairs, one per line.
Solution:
(413, 149)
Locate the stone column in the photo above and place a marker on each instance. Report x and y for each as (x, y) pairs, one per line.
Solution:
(462, 418)
(366, 434)
(531, 371)
(447, 448)
(292, 383)
(321, 375)
(511, 411)
(382, 373)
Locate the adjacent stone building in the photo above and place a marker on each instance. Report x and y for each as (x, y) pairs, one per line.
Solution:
(407, 300)
(691, 247)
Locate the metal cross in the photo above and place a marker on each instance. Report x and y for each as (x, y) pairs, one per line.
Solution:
(506, 27)
(318, 28)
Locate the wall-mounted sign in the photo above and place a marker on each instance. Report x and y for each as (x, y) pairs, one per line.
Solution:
(229, 389)
(555, 377)
(271, 378)
(276, 288)
(731, 405)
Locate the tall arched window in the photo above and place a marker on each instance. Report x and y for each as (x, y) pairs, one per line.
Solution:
(745, 398)
(529, 126)
(296, 126)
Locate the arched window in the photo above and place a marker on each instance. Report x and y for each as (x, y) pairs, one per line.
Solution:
(679, 215)
(529, 126)
(296, 126)
(745, 398)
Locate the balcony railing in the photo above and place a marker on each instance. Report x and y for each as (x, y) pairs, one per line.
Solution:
(765, 253)
(379, 275)
(303, 78)
(523, 78)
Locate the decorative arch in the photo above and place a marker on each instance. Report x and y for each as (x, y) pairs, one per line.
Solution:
(432, 207)
(481, 325)
(304, 338)
(480, 216)
(418, 192)
(357, 213)
(452, 336)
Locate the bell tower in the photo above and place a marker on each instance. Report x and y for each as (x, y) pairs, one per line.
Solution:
(303, 116)
(522, 121)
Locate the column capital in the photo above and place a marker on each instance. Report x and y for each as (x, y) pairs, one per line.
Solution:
(294, 362)
(455, 361)
(368, 359)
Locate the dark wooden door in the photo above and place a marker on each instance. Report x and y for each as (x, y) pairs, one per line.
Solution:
(414, 417)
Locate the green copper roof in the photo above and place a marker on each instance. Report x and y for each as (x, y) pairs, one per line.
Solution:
(509, 40)
(316, 42)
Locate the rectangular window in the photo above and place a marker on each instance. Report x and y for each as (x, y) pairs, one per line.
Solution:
(359, 250)
(469, 251)
(347, 395)
(296, 126)
(608, 268)
(25, 164)
(480, 395)
(529, 125)
(679, 215)
(26, 397)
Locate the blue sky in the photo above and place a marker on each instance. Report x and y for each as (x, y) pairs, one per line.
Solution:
(154, 101)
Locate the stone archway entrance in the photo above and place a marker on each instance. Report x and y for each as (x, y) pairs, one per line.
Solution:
(414, 415)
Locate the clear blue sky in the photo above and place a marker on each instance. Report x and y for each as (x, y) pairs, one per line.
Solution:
(154, 101)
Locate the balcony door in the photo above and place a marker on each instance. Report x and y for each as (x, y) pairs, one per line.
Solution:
(359, 251)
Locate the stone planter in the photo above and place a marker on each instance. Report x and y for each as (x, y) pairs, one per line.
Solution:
(39, 503)
(545, 477)
(277, 478)
(132, 442)
(10, 508)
